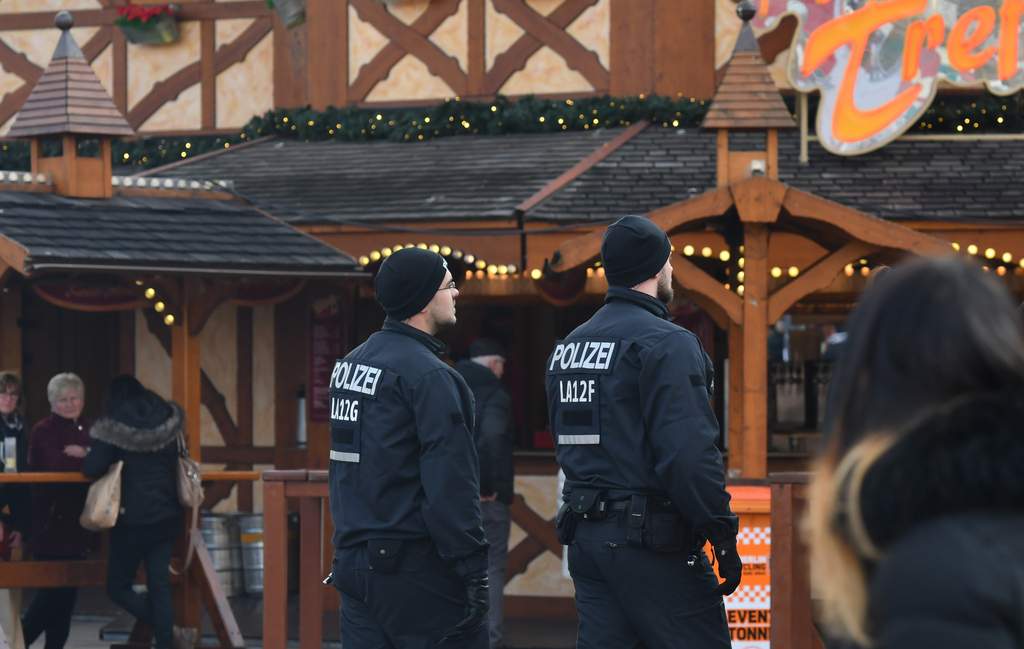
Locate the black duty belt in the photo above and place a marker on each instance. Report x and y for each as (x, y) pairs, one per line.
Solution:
(656, 504)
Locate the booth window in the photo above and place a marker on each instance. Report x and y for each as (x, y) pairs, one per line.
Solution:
(53, 147)
(88, 148)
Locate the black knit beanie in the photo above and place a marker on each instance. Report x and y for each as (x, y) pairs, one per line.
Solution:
(408, 280)
(633, 250)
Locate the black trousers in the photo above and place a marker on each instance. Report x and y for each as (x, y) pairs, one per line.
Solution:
(156, 610)
(413, 608)
(635, 598)
(50, 611)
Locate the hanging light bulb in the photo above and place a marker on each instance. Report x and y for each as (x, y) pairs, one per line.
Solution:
(705, 251)
(776, 272)
(446, 250)
(159, 307)
(724, 255)
(537, 274)
(375, 255)
(168, 319)
(150, 292)
(688, 251)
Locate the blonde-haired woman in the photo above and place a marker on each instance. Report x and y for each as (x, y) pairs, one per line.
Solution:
(917, 506)
(58, 443)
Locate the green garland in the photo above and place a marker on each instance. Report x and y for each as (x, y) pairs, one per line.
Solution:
(501, 116)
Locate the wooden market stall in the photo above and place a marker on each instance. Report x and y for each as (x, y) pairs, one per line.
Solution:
(73, 240)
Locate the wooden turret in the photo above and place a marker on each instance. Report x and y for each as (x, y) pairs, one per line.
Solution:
(747, 100)
(70, 118)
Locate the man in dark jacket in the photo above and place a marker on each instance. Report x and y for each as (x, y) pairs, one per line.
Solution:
(410, 556)
(494, 439)
(629, 396)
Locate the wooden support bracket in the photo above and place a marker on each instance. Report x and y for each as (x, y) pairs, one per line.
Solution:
(817, 277)
(867, 228)
(216, 294)
(694, 279)
(758, 199)
(212, 592)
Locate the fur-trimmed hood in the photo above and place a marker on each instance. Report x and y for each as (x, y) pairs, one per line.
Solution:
(967, 457)
(130, 438)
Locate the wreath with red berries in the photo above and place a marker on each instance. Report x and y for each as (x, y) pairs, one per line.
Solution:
(141, 17)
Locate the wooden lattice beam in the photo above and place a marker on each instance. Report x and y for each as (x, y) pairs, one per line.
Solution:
(817, 277)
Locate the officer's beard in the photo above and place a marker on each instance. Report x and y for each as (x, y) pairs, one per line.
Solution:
(665, 292)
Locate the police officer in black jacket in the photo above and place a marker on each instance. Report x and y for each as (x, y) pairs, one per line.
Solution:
(629, 400)
(410, 556)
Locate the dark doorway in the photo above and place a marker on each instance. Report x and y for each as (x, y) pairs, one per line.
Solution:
(57, 340)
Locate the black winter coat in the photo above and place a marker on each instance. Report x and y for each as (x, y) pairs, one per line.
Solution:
(946, 506)
(148, 478)
(495, 435)
(17, 497)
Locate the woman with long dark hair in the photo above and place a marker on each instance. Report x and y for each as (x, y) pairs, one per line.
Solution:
(141, 429)
(917, 505)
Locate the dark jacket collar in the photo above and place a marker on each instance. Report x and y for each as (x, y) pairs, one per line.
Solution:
(965, 458)
(476, 375)
(132, 438)
(14, 428)
(397, 326)
(652, 304)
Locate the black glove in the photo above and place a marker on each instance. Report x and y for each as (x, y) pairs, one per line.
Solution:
(730, 568)
(478, 602)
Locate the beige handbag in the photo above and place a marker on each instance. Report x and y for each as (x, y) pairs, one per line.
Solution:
(190, 492)
(190, 486)
(104, 501)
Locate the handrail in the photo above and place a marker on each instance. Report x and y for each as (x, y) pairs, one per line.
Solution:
(55, 477)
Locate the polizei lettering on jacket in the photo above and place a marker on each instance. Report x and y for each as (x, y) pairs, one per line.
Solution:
(355, 377)
(583, 356)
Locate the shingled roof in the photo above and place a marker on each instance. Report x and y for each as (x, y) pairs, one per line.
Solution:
(909, 178)
(456, 178)
(159, 234)
(747, 98)
(69, 98)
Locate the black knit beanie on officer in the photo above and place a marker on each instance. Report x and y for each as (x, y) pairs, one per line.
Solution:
(408, 280)
(633, 250)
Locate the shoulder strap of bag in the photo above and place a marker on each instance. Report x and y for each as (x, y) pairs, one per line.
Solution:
(191, 544)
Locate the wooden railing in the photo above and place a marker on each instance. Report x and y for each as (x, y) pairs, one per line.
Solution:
(792, 623)
(312, 490)
(201, 578)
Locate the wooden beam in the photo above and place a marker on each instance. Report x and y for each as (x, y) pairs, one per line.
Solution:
(716, 312)
(476, 49)
(535, 526)
(105, 17)
(735, 333)
(311, 574)
(758, 199)
(243, 380)
(217, 605)
(722, 157)
(693, 278)
(13, 254)
(327, 52)
(867, 228)
(53, 574)
(755, 352)
(208, 73)
(186, 371)
(275, 566)
(580, 250)
(672, 218)
(215, 295)
(815, 278)
(631, 44)
(582, 166)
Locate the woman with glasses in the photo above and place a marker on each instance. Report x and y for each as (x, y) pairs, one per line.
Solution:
(58, 443)
(13, 431)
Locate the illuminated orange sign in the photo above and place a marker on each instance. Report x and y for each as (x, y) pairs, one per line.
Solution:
(878, 63)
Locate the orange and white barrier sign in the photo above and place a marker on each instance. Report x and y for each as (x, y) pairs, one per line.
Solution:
(749, 608)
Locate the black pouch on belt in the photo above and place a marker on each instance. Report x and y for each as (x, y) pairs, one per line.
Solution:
(565, 524)
(665, 530)
(385, 555)
(590, 504)
(637, 517)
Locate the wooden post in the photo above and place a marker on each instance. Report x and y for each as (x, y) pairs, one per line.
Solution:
(243, 319)
(755, 352)
(275, 565)
(186, 376)
(791, 618)
(802, 107)
(723, 158)
(735, 333)
(311, 605)
(772, 154)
